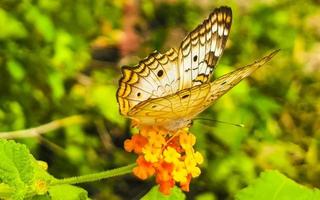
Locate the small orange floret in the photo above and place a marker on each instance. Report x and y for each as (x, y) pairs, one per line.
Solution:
(164, 172)
(174, 143)
(140, 172)
(187, 140)
(136, 144)
(144, 169)
(156, 140)
(128, 145)
(166, 186)
(185, 186)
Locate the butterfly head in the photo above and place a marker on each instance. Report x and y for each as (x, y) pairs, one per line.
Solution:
(178, 124)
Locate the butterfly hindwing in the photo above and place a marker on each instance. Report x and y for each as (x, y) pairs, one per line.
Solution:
(171, 111)
(200, 50)
(155, 76)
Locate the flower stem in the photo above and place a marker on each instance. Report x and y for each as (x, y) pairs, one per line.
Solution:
(96, 176)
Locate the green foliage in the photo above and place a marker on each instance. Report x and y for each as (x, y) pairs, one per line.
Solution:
(67, 192)
(274, 185)
(14, 28)
(16, 168)
(21, 176)
(154, 194)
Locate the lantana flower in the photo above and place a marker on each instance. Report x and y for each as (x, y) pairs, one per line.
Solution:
(167, 155)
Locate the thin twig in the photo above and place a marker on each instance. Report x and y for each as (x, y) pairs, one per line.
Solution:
(104, 135)
(52, 146)
(45, 128)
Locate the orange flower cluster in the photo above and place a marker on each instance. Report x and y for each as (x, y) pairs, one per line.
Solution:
(167, 155)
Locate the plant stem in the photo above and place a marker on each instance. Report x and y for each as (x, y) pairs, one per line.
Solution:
(96, 176)
(36, 131)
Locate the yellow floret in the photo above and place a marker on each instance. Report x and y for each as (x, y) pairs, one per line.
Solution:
(171, 155)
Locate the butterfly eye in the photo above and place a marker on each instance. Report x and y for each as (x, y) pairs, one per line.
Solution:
(160, 73)
(195, 58)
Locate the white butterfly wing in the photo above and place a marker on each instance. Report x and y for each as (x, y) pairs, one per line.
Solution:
(160, 75)
(201, 49)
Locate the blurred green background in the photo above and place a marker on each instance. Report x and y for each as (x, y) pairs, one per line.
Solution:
(62, 58)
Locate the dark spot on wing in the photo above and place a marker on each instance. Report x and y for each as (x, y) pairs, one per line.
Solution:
(185, 96)
(224, 83)
(195, 58)
(160, 73)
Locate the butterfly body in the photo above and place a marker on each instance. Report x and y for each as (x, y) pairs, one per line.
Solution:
(170, 89)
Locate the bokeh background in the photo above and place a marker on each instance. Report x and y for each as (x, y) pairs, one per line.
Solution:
(62, 58)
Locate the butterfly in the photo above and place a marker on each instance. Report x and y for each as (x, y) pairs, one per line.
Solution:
(170, 89)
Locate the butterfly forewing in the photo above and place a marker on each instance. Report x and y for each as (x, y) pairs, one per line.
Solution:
(201, 49)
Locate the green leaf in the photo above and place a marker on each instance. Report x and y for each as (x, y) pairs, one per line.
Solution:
(228, 166)
(15, 69)
(67, 192)
(154, 194)
(56, 83)
(13, 27)
(206, 196)
(42, 23)
(16, 167)
(274, 185)
(41, 197)
(20, 174)
(18, 118)
(5, 191)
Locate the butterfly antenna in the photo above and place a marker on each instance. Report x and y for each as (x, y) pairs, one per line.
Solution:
(222, 122)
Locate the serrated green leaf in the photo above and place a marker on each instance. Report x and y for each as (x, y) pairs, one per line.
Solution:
(20, 174)
(67, 192)
(154, 194)
(274, 185)
(16, 167)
